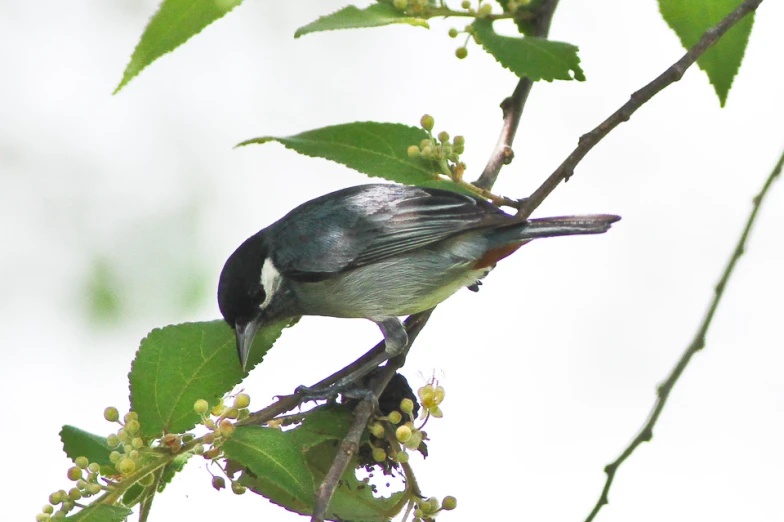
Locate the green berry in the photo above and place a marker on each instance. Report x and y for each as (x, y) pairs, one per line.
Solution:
(415, 440)
(131, 416)
(232, 413)
(218, 409)
(403, 433)
(395, 417)
(201, 406)
(94, 489)
(242, 401)
(379, 455)
(74, 494)
(401, 457)
(111, 414)
(226, 428)
(81, 462)
(198, 450)
(126, 466)
(419, 513)
(113, 440)
(137, 442)
(74, 473)
(443, 136)
(123, 436)
(449, 503)
(244, 413)
(133, 454)
(407, 406)
(237, 488)
(127, 448)
(485, 9)
(427, 122)
(59, 515)
(81, 483)
(42, 517)
(54, 498)
(377, 429)
(92, 477)
(218, 483)
(427, 152)
(461, 52)
(48, 509)
(413, 151)
(400, 4)
(453, 33)
(132, 426)
(458, 141)
(94, 467)
(466, 4)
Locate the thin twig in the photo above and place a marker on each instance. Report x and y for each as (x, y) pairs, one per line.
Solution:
(512, 107)
(671, 75)
(697, 344)
(362, 413)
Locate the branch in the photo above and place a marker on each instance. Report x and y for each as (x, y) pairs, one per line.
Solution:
(362, 413)
(512, 107)
(671, 75)
(697, 344)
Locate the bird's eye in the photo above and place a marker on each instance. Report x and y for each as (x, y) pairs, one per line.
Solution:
(256, 294)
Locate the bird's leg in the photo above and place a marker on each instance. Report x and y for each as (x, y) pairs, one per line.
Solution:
(395, 342)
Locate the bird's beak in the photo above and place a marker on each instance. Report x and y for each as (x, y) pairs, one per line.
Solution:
(245, 334)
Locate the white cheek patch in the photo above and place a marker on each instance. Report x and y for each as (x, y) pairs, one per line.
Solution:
(270, 281)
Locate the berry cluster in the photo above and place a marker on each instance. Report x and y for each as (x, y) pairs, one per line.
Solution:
(427, 509)
(85, 474)
(440, 149)
(219, 422)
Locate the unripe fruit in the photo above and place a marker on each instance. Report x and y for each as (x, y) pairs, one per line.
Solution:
(137, 442)
(212, 453)
(210, 424)
(74, 473)
(201, 406)
(123, 436)
(74, 494)
(427, 151)
(413, 151)
(54, 498)
(400, 4)
(461, 52)
(237, 488)
(132, 426)
(133, 454)
(485, 9)
(379, 455)
(377, 429)
(465, 4)
(403, 433)
(458, 140)
(48, 509)
(218, 409)
(111, 414)
(81, 462)
(419, 513)
(232, 413)
(244, 413)
(443, 136)
(401, 457)
(114, 457)
(395, 417)
(424, 143)
(126, 466)
(94, 489)
(407, 406)
(427, 122)
(42, 517)
(242, 401)
(131, 416)
(218, 483)
(113, 440)
(453, 33)
(198, 450)
(94, 467)
(59, 515)
(81, 483)
(226, 428)
(449, 503)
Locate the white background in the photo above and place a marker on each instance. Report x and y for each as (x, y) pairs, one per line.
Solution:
(549, 370)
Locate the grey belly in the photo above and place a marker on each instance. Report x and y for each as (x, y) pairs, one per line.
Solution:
(391, 288)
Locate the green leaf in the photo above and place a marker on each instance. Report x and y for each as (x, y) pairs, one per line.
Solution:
(353, 500)
(179, 364)
(171, 469)
(79, 443)
(351, 17)
(277, 463)
(175, 23)
(536, 58)
(133, 495)
(375, 149)
(328, 422)
(100, 513)
(691, 19)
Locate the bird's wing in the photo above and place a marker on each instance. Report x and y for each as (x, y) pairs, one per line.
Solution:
(375, 222)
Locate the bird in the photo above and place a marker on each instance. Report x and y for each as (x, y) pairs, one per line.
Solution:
(375, 251)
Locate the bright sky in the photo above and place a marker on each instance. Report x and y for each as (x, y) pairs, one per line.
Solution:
(549, 370)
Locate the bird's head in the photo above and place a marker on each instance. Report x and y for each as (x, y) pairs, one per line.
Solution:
(247, 283)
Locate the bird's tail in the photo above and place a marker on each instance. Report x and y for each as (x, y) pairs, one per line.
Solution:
(567, 226)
